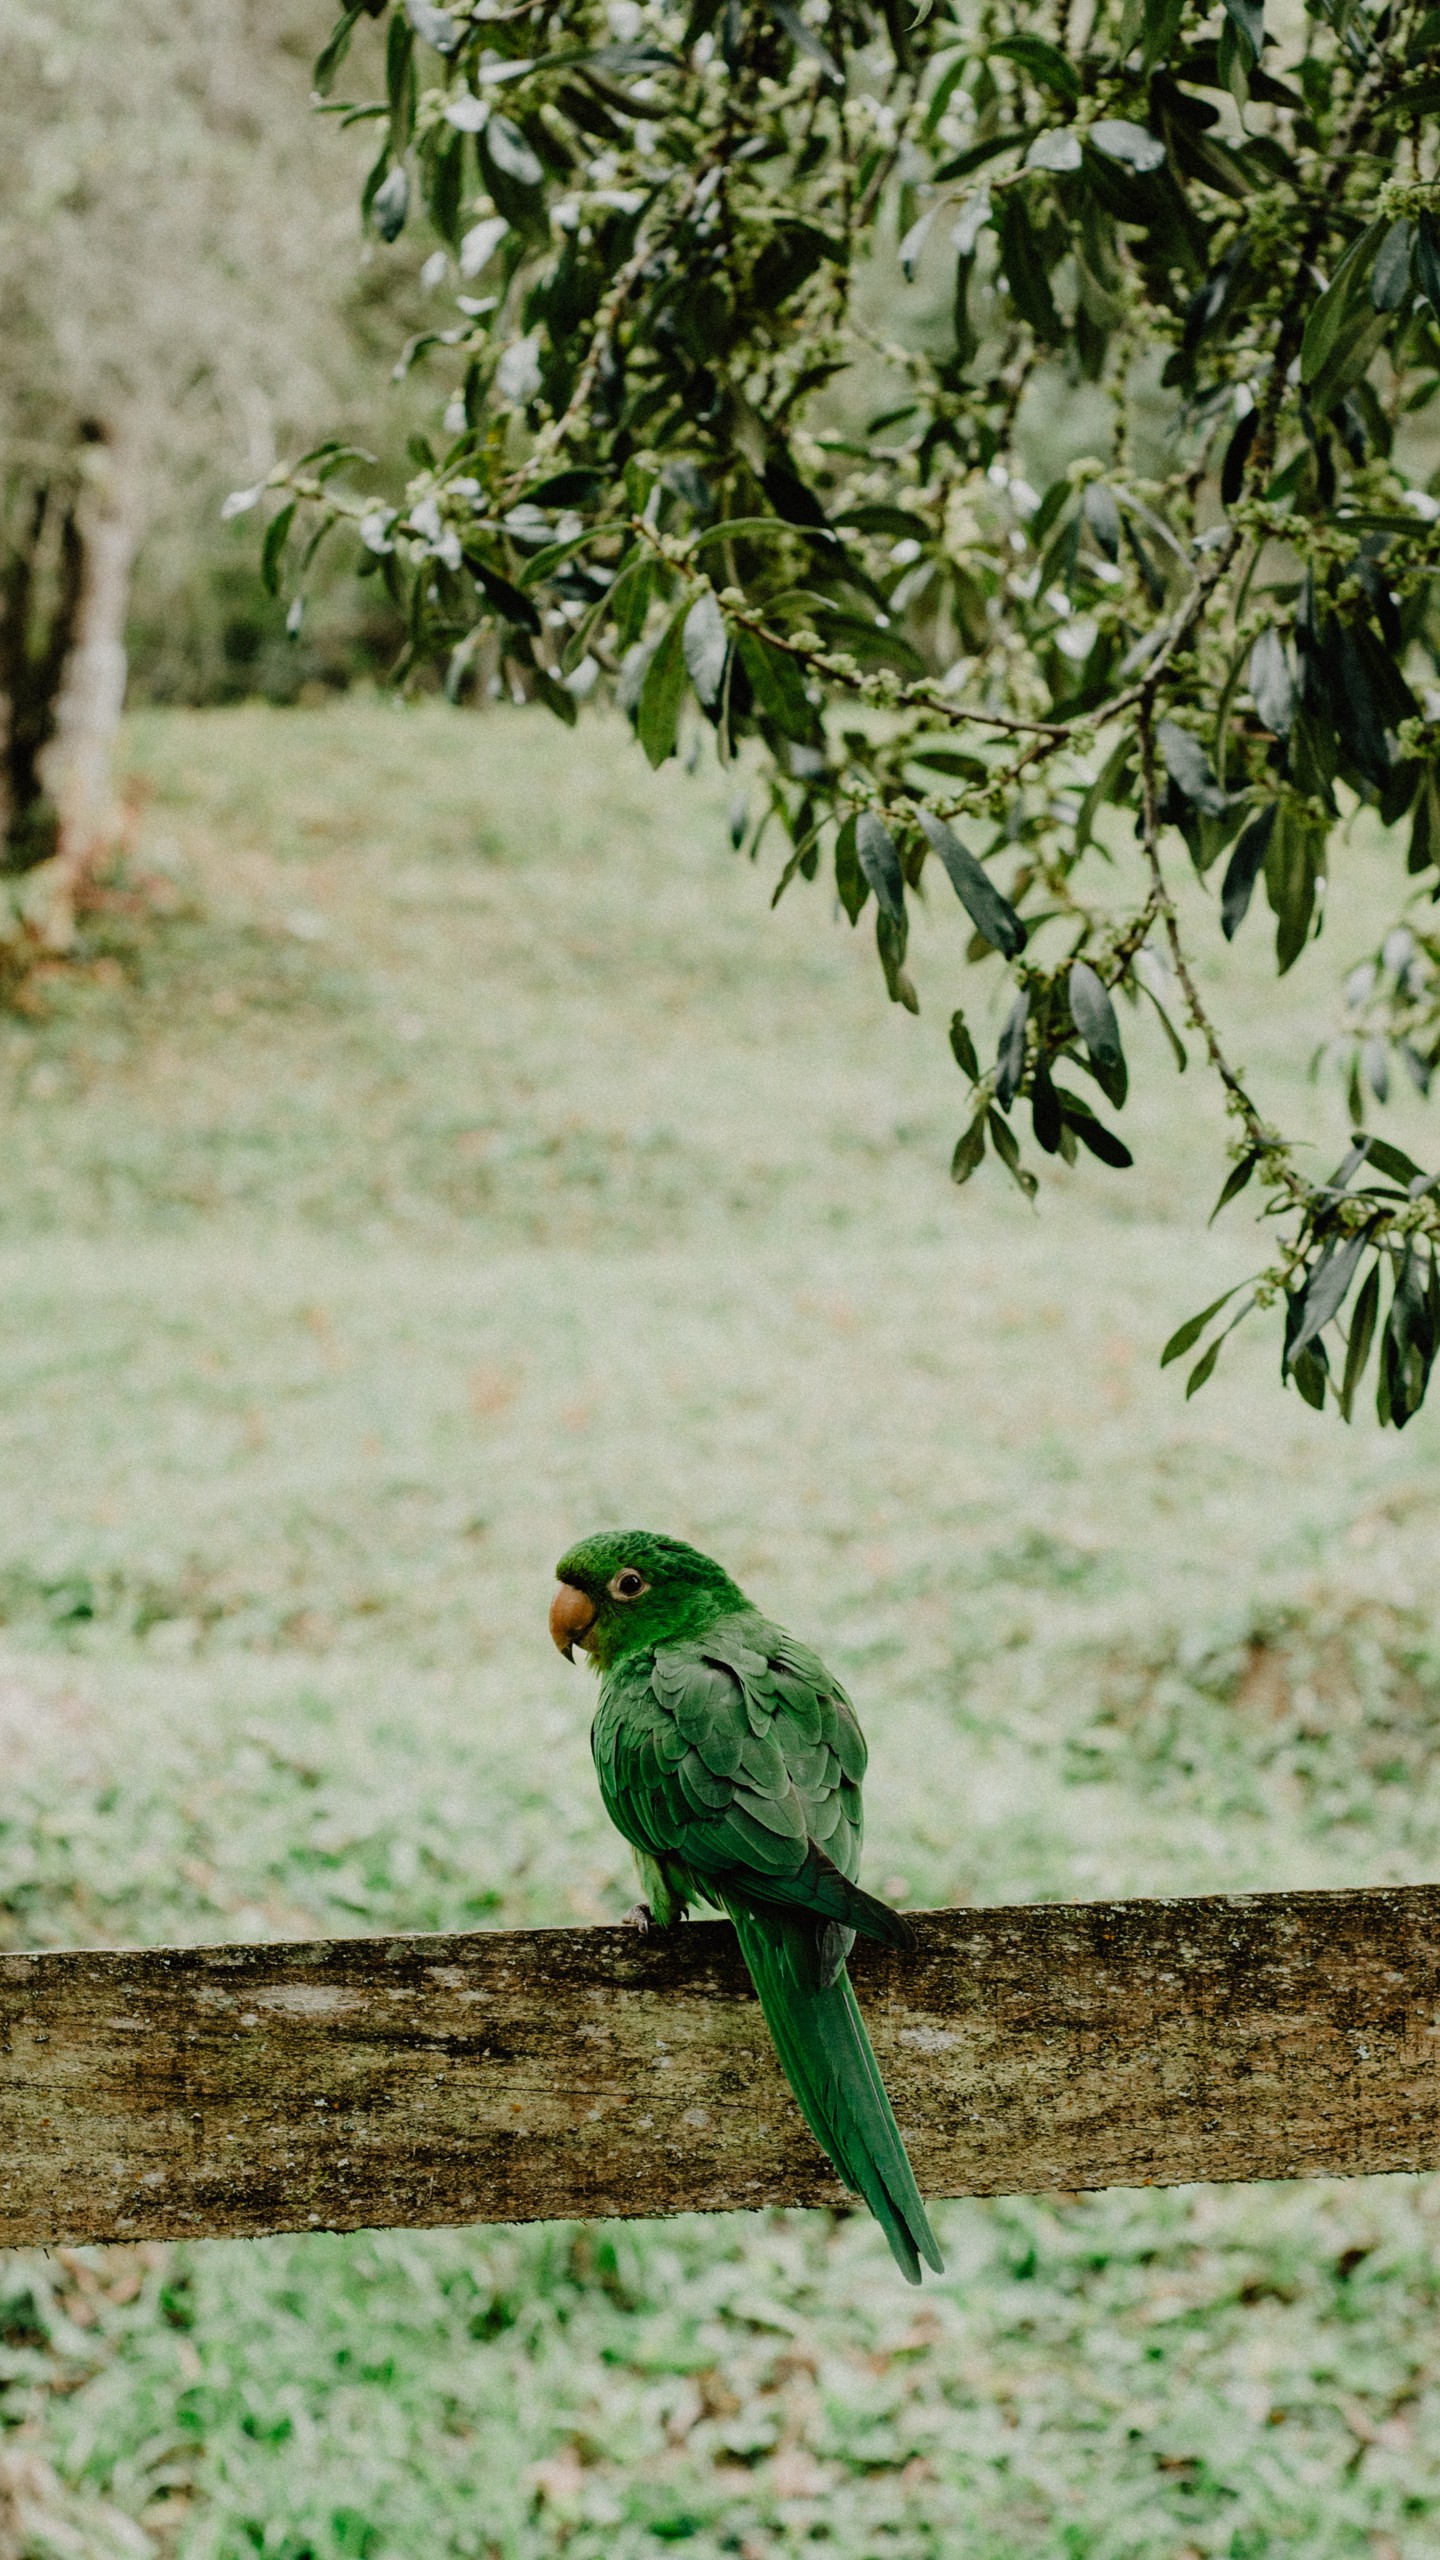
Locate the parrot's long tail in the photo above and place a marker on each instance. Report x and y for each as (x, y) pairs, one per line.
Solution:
(826, 2056)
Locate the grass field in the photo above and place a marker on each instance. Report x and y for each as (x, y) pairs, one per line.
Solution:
(470, 1160)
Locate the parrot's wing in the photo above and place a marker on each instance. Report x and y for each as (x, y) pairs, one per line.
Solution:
(740, 1756)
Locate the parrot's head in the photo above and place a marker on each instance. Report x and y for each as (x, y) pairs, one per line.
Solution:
(627, 1588)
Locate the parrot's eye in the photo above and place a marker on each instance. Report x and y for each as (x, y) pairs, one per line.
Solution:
(627, 1585)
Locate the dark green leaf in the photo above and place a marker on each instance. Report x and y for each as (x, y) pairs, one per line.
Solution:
(970, 1150)
(1101, 790)
(513, 173)
(791, 498)
(329, 59)
(989, 911)
(1368, 695)
(1329, 314)
(1243, 870)
(555, 554)
(947, 759)
(1092, 1133)
(706, 644)
(806, 41)
(1424, 846)
(1390, 280)
(1057, 498)
(1309, 1371)
(1010, 1057)
(1362, 1334)
(1291, 872)
(1002, 1138)
(556, 697)
(1406, 104)
(1349, 1165)
(1025, 269)
(390, 203)
(1189, 769)
(977, 154)
(400, 82)
(568, 489)
(1235, 1182)
(330, 457)
(778, 685)
(870, 644)
(272, 551)
(1042, 60)
(891, 933)
(1427, 258)
(788, 260)
(1190, 1331)
(897, 522)
(1408, 1343)
(1232, 470)
(1161, 19)
(1361, 337)
(851, 886)
(505, 145)
(875, 846)
(1248, 19)
(1178, 1050)
(1390, 1160)
(1326, 1290)
(657, 713)
(963, 1047)
(1044, 1109)
(803, 859)
(1204, 1367)
(943, 91)
(507, 599)
(1094, 1017)
(1272, 685)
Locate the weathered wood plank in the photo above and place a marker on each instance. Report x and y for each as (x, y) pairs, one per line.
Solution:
(505, 2077)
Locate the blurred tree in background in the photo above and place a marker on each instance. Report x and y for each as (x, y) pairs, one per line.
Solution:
(690, 450)
(171, 222)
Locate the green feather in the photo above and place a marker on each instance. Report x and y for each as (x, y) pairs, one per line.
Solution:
(827, 1819)
(849, 1744)
(825, 2053)
(764, 1765)
(751, 1845)
(781, 1814)
(706, 1792)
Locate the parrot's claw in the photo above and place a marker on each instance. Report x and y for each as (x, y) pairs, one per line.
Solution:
(640, 1918)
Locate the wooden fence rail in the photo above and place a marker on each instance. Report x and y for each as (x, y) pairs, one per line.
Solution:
(185, 2092)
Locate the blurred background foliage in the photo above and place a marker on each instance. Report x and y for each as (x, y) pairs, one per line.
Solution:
(181, 274)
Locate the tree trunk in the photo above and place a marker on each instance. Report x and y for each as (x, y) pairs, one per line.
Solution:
(92, 690)
(70, 534)
(41, 578)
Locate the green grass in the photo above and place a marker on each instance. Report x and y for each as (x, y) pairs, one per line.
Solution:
(470, 1160)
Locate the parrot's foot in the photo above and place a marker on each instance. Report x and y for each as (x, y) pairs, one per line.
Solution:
(640, 1918)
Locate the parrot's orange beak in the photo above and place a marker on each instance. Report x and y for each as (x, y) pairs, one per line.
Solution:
(571, 1618)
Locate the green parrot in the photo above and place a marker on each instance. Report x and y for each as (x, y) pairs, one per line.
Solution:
(731, 1761)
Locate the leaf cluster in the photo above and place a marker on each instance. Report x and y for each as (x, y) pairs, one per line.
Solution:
(681, 465)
